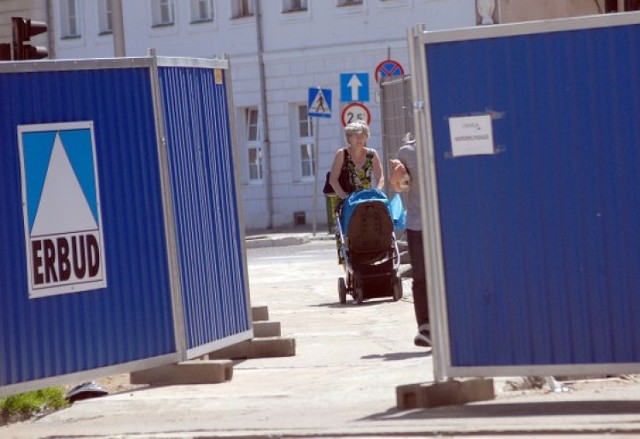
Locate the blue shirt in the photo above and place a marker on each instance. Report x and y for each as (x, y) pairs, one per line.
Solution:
(407, 155)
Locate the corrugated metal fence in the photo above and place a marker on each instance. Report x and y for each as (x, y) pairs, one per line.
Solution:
(532, 244)
(156, 171)
(207, 218)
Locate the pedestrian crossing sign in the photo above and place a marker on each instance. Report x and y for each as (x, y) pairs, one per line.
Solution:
(319, 102)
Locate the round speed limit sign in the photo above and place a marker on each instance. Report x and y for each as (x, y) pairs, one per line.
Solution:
(355, 111)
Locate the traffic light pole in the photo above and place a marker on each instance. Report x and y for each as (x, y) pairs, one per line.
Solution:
(5, 52)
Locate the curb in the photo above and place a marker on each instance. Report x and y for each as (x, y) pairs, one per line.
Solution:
(269, 241)
(274, 240)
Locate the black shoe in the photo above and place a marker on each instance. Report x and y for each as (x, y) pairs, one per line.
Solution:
(423, 337)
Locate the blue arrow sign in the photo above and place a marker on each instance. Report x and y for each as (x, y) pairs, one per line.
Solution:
(319, 102)
(354, 87)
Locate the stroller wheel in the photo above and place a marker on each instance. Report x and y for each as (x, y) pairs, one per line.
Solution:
(359, 295)
(342, 291)
(397, 289)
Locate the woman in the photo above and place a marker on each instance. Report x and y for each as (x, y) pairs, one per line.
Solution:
(361, 164)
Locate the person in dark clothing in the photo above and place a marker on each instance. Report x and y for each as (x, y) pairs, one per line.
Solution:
(403, 169)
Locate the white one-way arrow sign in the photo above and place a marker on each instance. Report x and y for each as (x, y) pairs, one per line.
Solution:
(355, 84)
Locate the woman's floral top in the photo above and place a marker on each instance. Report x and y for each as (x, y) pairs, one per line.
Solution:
(361, 178)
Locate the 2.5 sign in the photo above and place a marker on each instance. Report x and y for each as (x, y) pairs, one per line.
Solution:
(355, 112)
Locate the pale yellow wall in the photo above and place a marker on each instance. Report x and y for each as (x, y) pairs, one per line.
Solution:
(512, 11)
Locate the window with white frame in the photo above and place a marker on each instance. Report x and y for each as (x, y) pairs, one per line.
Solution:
(254, 144)
(105, 18)
(306, 143)
(395, 3)
(294, 5)
(348, 2)
(241, 8)
(201, 10)
(162, 12)
(69, 19)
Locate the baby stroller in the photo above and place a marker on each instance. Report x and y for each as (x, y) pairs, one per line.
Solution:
(368, 247)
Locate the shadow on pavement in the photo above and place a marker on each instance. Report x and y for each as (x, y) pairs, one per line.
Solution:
(350, 304)
(520, 409)
(396, 356)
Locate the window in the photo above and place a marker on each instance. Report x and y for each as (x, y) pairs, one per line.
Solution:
(162, 12)
(254, 144)
(294, 5)
(106, 16)
(305, 128)
(389, 4)
(241, 8)
(201, 10)
(349, 2)
(306, 143)
(69, 19)
(306, 160)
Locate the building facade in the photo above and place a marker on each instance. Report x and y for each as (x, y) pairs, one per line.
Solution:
(278, 50)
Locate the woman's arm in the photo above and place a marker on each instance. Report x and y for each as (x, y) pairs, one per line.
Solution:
(336, 169)
(377, 170)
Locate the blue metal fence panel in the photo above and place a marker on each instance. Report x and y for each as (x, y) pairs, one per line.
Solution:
(215, 299)
(540, 242)
(131, 318)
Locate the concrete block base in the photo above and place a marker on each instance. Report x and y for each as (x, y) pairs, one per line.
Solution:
(266, 329)
(186, 372)
(257, 348)
(453, 392)
(259, 313)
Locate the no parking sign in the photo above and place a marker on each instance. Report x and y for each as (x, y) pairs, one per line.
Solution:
(388, 67)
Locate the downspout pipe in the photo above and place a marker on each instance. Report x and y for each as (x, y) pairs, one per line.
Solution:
(51, 47)
(118, 29)
(263, 118)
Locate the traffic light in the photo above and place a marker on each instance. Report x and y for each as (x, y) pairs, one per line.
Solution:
(23, 30)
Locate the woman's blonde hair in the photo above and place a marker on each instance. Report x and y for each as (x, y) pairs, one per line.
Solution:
(357, 127)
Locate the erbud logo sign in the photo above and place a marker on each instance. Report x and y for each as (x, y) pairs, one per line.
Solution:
(61, 206)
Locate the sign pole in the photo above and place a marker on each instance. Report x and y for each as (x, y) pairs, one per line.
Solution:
(316, 155)
(319, 106)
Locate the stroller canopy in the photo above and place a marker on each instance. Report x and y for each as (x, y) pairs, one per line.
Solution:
(359, 197)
